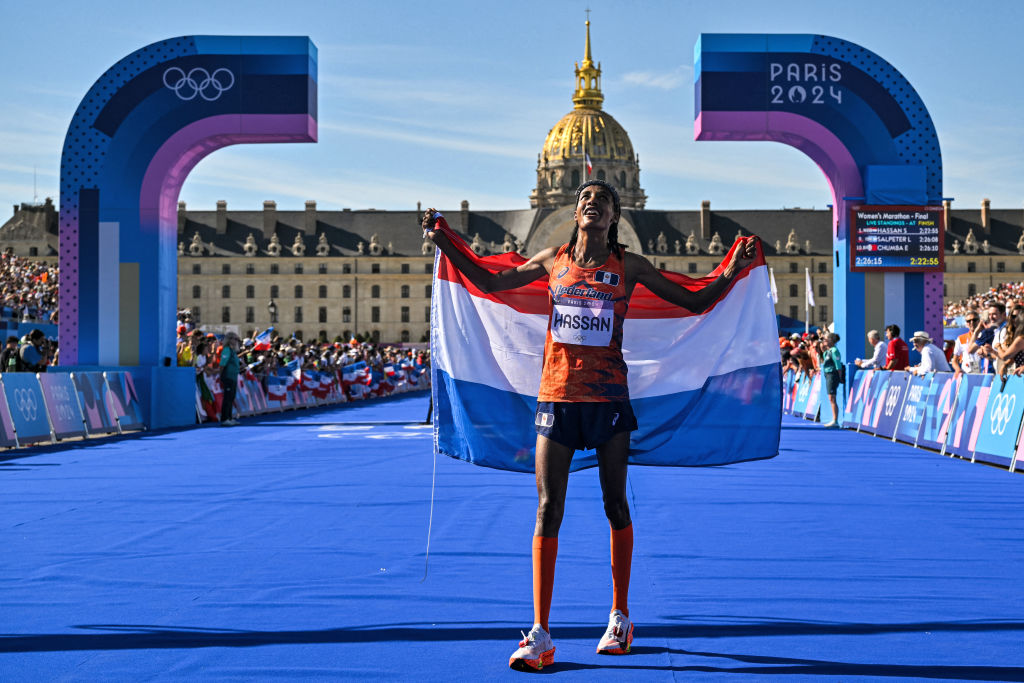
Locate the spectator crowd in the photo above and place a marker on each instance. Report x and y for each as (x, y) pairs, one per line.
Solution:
(28, 289)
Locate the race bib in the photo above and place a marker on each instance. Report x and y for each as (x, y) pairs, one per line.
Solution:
(587, 323)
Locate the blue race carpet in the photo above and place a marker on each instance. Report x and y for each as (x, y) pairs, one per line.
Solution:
(293, 547)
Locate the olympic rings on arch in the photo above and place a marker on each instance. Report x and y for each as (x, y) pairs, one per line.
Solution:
(198, 81)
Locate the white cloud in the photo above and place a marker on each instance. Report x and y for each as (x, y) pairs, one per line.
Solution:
(662, 80)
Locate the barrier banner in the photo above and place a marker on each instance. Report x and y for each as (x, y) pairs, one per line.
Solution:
(874, 401)
(788, 391)
(124, 401)
(814, 399)
(91, 391)
(1000, 422)
(887, 409)
(909, 423)
(59, 393)
(28, 409)
(803, 393)
(259, 399)
(8, 437)
(965, 424)
(938, 408)
(243, 402)
(854, 409)
(1018, 458)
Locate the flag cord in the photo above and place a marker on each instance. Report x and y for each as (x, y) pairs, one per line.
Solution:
(430, 520)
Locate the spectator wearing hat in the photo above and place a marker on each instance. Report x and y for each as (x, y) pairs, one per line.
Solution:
(897, 354)
(932, 358)
(878, 359)
(9, 361)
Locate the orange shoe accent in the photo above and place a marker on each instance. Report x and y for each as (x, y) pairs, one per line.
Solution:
(622, 648)
(622, 560)
(545, 550)
(545, 659)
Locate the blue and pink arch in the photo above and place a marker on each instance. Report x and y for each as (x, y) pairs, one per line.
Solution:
(139, 131)
(861, 122)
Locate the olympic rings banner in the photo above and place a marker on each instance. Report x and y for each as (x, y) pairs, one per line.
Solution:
(27, 406)
(973, 416)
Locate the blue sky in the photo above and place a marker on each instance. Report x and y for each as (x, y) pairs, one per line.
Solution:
(443, 101)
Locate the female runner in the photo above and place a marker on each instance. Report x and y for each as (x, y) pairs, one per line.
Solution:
(583, 401)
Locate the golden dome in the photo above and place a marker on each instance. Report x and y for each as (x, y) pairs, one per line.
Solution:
(585, 131)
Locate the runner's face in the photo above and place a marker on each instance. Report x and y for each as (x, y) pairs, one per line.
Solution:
(595, 209)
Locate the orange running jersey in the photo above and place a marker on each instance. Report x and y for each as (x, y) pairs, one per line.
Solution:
(583, 349)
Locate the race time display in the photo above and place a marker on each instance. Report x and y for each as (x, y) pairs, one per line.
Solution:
(903, 238)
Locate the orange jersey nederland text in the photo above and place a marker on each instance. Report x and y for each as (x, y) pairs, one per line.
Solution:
(583, 350)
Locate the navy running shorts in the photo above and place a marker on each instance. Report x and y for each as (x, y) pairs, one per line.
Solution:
(583, 426)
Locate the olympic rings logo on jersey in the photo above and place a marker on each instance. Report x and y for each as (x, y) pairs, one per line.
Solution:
(1000, 412)
(198, 81)
(891, 399)
(27, 405)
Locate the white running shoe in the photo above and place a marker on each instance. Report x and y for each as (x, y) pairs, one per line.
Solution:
(535, 651)
(618, 637)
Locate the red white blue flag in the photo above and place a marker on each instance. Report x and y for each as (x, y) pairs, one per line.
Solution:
(706, 388)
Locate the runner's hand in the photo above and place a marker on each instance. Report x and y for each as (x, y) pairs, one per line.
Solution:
(428, 223)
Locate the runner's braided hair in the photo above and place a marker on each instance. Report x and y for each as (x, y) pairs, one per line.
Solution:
(613, 230)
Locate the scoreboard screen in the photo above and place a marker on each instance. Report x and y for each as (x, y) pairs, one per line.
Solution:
(897, 238)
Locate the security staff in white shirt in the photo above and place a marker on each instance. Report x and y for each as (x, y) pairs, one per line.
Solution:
(932, 358)
(877, 360)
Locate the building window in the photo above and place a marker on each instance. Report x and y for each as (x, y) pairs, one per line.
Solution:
(195, 314)
(972, 289)
(298, 269)
(346, 316)
(374, 267)
(274, 292)
(427, 291)
(274, 269)
(375, 336)
(346, 292)
(197, 269)
(426, 314)
(298, 291)
(661, 266)
(250, 269)
(250, 314)
(323, 314)
(428, 268)
(33, 251)
(822, 290)
(945, 290)
(971, 266)
(822, 267)
(794, 268)
(225, 269)
(823, 313)
(405, 268)
(405, 291)
(405, 314)
(298, 333)
(691, 268)
(196, 291)
(322, 269)
(1000, 266)
(250, 292)
(794, 311)
(375, 314)
(794, 291)
(322, 291)
(405, 336)
(225, 314)
(347, 334)
(298, 314)
(346, 268)
(375, 292)
(225, 292)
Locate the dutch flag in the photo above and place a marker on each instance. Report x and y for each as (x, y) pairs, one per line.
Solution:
(706, 388)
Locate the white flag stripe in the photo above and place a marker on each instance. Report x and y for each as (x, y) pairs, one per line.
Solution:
(497, 346)
(810, 288)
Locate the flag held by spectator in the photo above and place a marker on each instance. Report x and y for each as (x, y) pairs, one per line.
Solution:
(706, 388)
(262, 340)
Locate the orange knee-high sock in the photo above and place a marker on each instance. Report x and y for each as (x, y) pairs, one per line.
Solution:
(545, 550)
(622, 559)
